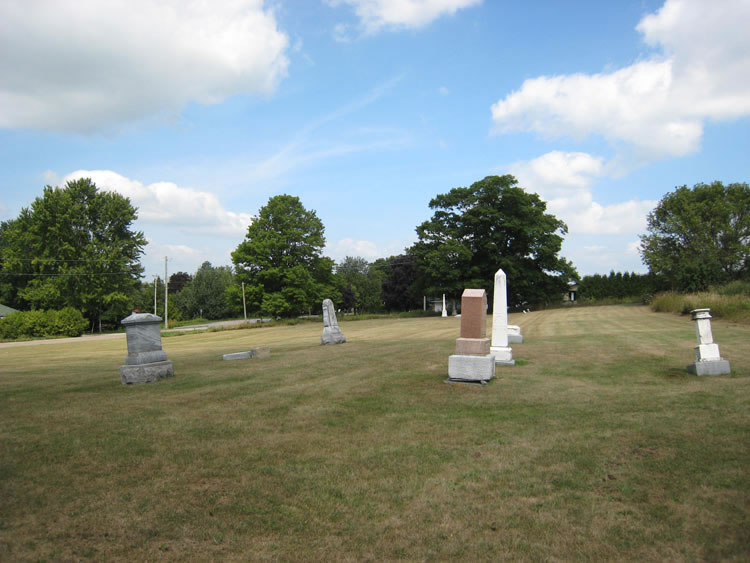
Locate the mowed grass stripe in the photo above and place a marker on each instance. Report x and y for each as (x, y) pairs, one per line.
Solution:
(597, 445)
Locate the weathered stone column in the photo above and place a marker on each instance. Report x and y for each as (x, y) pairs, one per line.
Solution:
(146, 361)
(707, 358)
(331, 332)
(503, 353)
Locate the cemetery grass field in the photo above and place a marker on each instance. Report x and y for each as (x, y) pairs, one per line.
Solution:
(598, 445)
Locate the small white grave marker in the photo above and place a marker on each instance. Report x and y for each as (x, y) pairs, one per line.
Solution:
(707, 358)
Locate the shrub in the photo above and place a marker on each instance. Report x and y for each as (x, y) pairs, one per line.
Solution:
(35, 324)
(728, 305)
(737, 287)
(70, 322)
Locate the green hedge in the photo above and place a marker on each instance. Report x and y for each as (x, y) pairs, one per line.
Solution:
(35, 324)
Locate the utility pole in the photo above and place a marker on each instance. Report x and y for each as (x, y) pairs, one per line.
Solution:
(166, 295)
(244, 306)
(155, 278)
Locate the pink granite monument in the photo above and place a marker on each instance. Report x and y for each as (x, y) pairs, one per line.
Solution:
(472, 361)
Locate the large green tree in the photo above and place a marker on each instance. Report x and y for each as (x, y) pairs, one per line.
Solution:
(355, 274)
(73, 246)
(493, 224)
(281, 260)
(205, 295)
(700, 236)
(400, 291)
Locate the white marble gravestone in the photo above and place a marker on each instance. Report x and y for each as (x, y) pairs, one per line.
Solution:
(499, 347)
(707, 358)
(331, 332)
(146, 361)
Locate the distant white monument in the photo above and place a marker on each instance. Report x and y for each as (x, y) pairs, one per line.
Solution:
(499, 347)
(445, 311)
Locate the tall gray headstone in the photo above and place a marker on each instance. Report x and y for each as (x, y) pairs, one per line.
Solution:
(146, 361)
(331, 332)
(499, 347)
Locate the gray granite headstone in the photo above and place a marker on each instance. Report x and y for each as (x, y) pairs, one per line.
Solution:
(146, 361)
(331, 332)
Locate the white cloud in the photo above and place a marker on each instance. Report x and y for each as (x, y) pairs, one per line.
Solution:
(565, 181)
(377, 15)
(364, 249)
(350, 247)
(166, 203)
(633, 248)
(86, 65)
(658, 106)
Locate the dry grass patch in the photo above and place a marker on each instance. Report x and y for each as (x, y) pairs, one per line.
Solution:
(597, 445)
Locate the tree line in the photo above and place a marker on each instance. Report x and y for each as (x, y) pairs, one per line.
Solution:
(76, 247)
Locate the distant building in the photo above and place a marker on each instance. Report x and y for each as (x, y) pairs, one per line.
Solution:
(5, 311)
(572, 294)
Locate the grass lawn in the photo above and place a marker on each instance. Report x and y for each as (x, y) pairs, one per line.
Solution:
(597, 445)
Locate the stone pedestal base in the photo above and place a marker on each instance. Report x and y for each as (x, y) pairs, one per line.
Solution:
(710, 367)
(145, 373)
(503, 355)
(472, 346)
(471, 368)
(332, 335)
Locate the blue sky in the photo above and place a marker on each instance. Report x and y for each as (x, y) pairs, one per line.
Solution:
(366, 109)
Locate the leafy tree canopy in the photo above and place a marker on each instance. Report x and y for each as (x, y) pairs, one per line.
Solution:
(399, 284)
(205, 295)
(700, 236)
(360, 284)
(178, 281)
(493, 224)
(280, 260)
(73, 247)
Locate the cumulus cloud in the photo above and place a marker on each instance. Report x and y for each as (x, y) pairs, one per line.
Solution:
(565, 181)
(377, 15)
(657, 106)
(364, 249)
(86, 65)
(350, 247)
(166, 203)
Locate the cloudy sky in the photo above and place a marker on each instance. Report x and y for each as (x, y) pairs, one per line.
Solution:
(366, 109)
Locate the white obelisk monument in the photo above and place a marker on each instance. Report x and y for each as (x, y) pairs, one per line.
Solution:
(499, 347)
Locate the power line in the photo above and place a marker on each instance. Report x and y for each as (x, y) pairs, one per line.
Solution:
(21, 274)
(48, 260)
